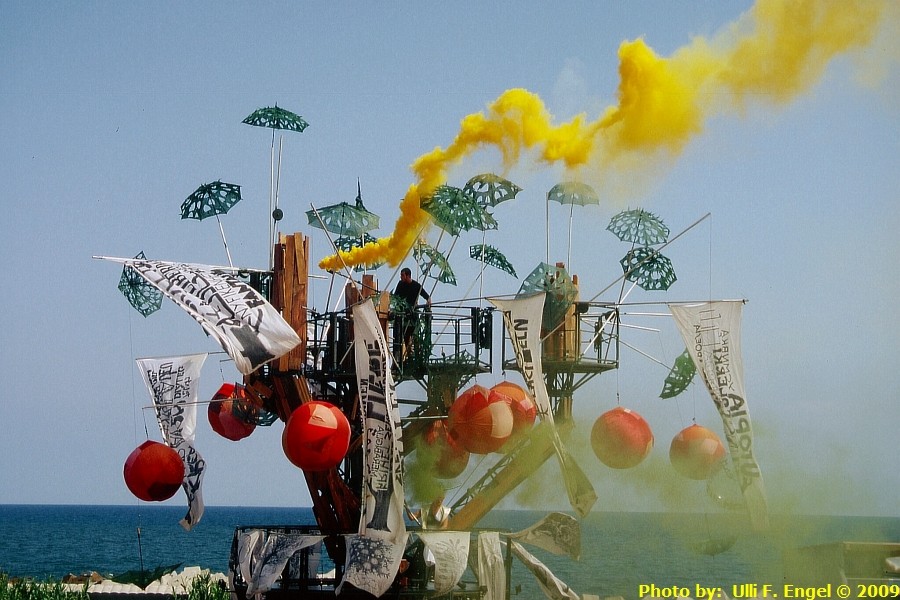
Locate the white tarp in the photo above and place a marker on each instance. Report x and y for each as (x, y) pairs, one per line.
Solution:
(558, 533)
(522, 317)
(372, 564)
(491, 568)
(381, 514)
(553, 587)
(712, 334)
(247, 327)
(451, 553)
(174, 383)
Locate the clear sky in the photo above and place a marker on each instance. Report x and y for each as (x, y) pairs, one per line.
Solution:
(112, 113)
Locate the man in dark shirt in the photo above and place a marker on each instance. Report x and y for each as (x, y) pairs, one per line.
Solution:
(405, 324)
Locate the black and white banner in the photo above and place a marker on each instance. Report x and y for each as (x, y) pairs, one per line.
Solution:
(372, 564)
(267, 560)
(173, 383)
(382, 499)
(522, 317)
(712, 334)
(553, 587)
(491, 568)
(247, 327)
(558, 533)
(451, 554)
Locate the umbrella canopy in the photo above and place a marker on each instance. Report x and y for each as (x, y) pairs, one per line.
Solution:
(344, 219)
(490, 190)
(639, 226)
(454, 211)
(680, 376)
(276, 118)
(648, 268)
(429, 257)
(491, 256)
(572, 193)
(560, 289)
(211, 199)
(143, 296)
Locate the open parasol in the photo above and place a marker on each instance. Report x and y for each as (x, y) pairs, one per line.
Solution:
(488, 189)
(212, 199)
(648, 269)
(143, 296)
(430, 258)
(639, 226)
(455, 211)
(573, 193)
(489, 255)
(560, 289)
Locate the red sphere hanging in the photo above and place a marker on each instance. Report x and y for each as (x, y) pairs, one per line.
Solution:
(316, 436)
(522, 405)
(448, 457)
(153, 471)
(621, 438)
(696, 452)
(231, 414)
(481, 420)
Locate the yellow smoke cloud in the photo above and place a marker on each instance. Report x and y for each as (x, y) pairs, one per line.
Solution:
(776, 51)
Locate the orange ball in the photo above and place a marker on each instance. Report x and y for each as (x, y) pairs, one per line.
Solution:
(231, 414)
(521, 403)
(480, 420)
(153, 472)
(696, 452)
(316, 436)
(448, 456)
(621, 438)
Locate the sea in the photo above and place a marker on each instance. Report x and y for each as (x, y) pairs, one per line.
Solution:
(620, 550)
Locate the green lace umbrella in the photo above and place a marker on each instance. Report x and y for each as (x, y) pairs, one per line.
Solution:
(491, 256)
(143, 296)
(574, 194)
(430, 258)
(211, 200)
(345, 219)
(639, 226)
(455, 211)
(680, 376)
(561, 292)
(275, 117)
(490, 190)
(648, 269)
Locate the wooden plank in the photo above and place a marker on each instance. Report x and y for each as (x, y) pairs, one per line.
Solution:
(283, 363)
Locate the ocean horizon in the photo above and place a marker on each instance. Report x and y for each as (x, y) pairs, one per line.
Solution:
(620, 550)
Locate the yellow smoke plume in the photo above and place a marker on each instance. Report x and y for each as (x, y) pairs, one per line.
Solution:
(775, 52)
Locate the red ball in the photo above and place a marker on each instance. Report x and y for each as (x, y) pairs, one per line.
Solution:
(481, 420)
(621, 438)
(231, 414)
(153, 471)
(448, 457)
(316, 436)
(522, 405)
(696, 452)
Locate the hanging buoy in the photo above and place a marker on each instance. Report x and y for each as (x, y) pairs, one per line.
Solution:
(696, 452)
(444, 454)
(522, 405)
(231, 414)
(316, 436)
(621, 438)
(480, 420)
(153, 472)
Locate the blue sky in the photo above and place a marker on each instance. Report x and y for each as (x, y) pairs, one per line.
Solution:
(112, 113)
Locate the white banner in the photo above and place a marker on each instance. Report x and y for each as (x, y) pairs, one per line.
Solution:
(558, 533)
(268, 560)
(247, 327)
(712, 334)
(451, 553)
(173, 383)
(554, 588)
(372, 564)
(491, 567)
(522, 317)
(381, 514)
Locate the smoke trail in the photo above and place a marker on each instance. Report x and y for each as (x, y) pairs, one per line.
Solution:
(775, 52)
